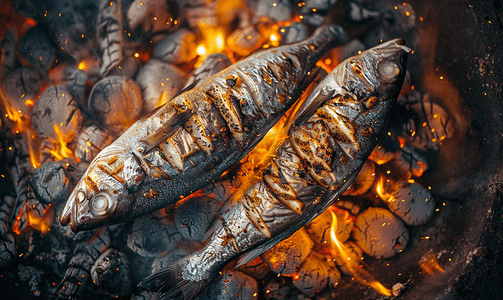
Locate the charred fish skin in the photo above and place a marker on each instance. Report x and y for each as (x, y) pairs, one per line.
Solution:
(196, 136)
(336, 129)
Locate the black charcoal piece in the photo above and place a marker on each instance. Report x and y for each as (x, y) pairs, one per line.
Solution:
(231, 285)
(51, 183)
(21, 89)
(36, 47)
(194, 216)
(411, 202)
(75, 81)
(112, 273)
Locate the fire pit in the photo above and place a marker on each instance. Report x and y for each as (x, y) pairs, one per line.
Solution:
(75, 75)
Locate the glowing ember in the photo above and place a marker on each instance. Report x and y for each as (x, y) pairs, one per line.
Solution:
(359, 273)
(429, 263)
(41, 223)
(15, 227)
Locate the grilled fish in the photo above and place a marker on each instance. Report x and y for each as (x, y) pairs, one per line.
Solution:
(329, 139)
(196, 136)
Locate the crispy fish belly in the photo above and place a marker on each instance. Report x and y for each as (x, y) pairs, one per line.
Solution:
(196, 136)
(334, 132)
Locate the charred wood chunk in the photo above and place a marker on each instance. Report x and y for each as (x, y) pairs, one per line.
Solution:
(36, 47)
(8, 50)
(89, 142)
(412, 203)
(117, 101)
(7, 242)
(32, 276)
(72, 25)
(51, 183)
(194, 216)
(231, 285)
(285, 257)
(159, 82)
(112, 273)
(56, 110)
(178, 47)
(256, 268)
(78, 274)
(211, 65)
(316, 273)
(319, 228)
(380, 233)
(363, 180)
(21, 88)
(75, 81)
(410, 162)
(109, 34)
(153, 234)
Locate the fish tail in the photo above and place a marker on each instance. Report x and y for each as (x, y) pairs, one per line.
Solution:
(171, 283)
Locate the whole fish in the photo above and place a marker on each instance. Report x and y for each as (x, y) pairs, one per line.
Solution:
(329, 139)
(192, 139)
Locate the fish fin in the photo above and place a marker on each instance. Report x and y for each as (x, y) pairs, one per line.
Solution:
(187, 88)
(170, 282)
(155, 138)
(307, 216)
(217, 223)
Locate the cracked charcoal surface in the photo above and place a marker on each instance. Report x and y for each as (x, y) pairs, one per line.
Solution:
(256, 268)
(231, 285)
(194, 216)
(410, 162)
(178, 47)
(439, 125)
(112, 273)
(75, 81)
(380, 233)
(8, 250)
(159, 82)
(56, 106)
(316, 273)
(20, 85)
(278, 289)
(89, 142)
(363, 180)
(141, 14)
(412, 203)
(50, 183)
(319, 228)
(153, 234)
(285, 257)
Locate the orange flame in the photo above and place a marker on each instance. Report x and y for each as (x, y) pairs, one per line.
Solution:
(33, 148)
(41, 223)
(64, 151)
(354, 267)
(15, 228)
(429, 263)
(381, 191)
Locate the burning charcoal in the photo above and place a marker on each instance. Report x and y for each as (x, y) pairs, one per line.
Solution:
(354, 252)
(75, 81)
(201, 13)
(285, 257)
(56, 110)
(194, 216)
(128, 67)
(109, 34)
(7, 243)
(178, 47)
(8, 50)
(72, 25)
(410, 162)
(256, 268)
(211, 65)
(363, 180)
(231, 285)
(75, 169)
(117, 101)
(316, 273)
(35, 46)
(351, 206)
(50, 183)
(246, 40)
(380, 233)
(275, 10)
(159, 82)
(21, 88)
(412, 203)
(31, 276)
(170, 257)
(153, 234)
(89, 142)
(153, 16)
(385, 150)
(294, 33)
(319, 228)
(277, 290)
(111, 273)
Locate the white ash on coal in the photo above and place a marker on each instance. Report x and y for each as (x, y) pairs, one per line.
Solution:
(195, 215)
(177, 47)
(51, 183)
(273, 10)
(117, 102)
(286, 256)
(153, 234)
(316, 273)
(89, 142)
(411, 202)
(112, 273)
(379, 233)
(159, 82)
(109, 34)
(75, 81)
(20, 89)
(231, 285)
(155, 17)
(352, 206)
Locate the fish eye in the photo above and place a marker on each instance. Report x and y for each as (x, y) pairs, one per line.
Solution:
(388, 70)
(101, 204)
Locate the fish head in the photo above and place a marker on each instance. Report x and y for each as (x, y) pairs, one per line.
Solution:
(108, 187)
(378, 71)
